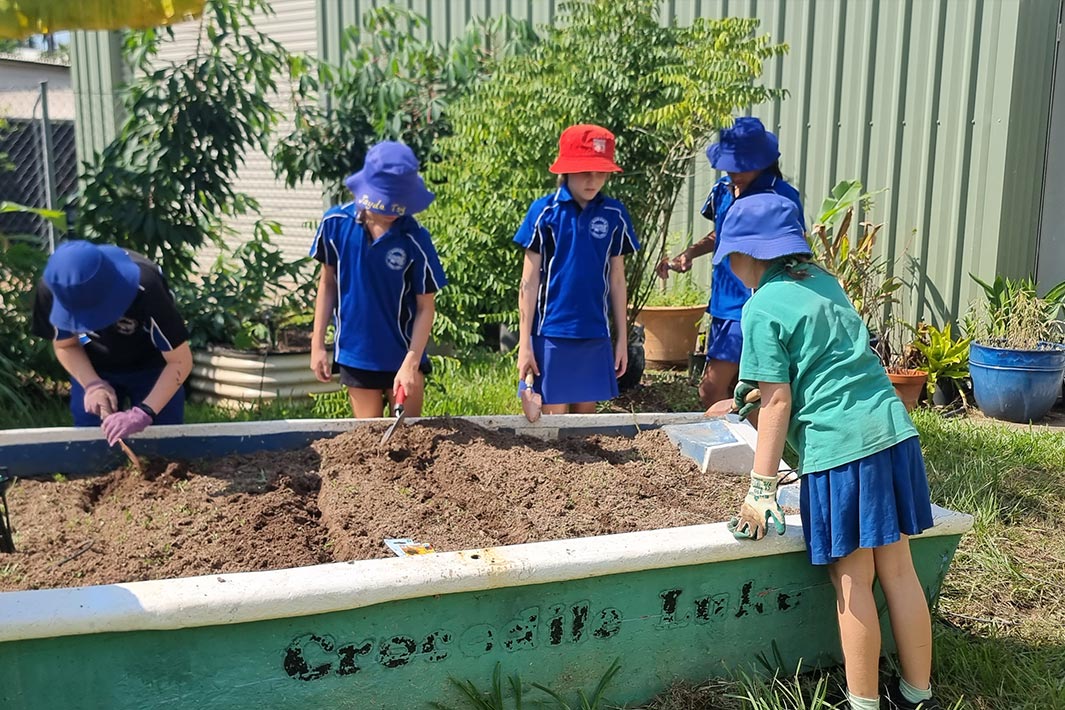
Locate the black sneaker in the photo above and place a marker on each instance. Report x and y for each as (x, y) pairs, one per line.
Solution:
(897, 701)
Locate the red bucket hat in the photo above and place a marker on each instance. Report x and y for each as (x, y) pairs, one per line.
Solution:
(585, 148)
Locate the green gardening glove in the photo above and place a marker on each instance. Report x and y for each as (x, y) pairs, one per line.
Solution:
(758, 508)
(745, 399)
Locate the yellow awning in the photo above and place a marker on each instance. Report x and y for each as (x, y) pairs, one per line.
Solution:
(22, 18)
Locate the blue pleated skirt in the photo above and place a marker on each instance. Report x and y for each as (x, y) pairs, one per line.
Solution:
(575, 369)
(870, 502)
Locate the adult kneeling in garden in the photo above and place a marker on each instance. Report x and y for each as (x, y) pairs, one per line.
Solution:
(116, 331)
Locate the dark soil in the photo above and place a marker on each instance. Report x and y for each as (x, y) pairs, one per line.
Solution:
(446, 482)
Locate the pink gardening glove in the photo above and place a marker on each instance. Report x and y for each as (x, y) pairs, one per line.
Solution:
(122, 424)
(100, 398)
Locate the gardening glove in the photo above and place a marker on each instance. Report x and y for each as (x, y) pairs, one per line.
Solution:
(745, 399)
(122, 424)
(757, 509)
(99, 399)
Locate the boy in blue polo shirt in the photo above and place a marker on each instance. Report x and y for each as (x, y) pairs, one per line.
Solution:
(378, 282)
(749, 156)
(575, 241)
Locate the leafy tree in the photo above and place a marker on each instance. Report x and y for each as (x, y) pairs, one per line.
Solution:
(392, 84)
(164, 186)
(25, 360)
(662, 89)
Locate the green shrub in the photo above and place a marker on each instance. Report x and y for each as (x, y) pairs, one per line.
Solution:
(391, 84)
(662, 89)
(164, 186)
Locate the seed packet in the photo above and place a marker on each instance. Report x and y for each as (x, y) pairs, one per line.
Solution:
(407, 547)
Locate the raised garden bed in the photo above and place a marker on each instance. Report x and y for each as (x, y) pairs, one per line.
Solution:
(670, 603)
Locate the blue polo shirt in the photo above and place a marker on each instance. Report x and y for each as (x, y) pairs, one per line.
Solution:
(727, 292)
(576, 246)
(378, 283)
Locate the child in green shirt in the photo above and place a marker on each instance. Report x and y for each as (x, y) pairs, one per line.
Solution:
(864, 489)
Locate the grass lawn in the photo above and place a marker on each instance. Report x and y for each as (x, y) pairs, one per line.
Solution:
(999, 625)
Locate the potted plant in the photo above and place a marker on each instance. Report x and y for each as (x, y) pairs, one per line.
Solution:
(1016, 358)
(865, 279)
(946, 360)
(670, 319)
(249, 323)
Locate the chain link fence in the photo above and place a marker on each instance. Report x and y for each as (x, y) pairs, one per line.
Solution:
(38, 154)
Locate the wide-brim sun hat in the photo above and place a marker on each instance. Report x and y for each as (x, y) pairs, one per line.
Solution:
(389, 182)
(585, 148)
(765, 226)
(744, 147)
(92, 285)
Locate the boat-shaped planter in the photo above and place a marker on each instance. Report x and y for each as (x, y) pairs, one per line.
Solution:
(680, 603)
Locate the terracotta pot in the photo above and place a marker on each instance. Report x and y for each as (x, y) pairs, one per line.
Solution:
(909, 384)
(669, 334)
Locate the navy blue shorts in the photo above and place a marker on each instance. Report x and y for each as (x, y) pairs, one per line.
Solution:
(574, 369)
(373, 379)
(870, 502)
(724, 341)
(131, 388)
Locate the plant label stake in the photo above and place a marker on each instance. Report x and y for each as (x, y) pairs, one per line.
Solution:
(401, 397)
(531, 401)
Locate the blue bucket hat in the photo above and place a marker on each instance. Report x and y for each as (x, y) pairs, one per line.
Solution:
(92, 286)
(389, 182)
(765, 225)
(744, 147)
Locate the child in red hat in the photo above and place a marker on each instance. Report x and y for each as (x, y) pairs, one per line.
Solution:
(575, 241)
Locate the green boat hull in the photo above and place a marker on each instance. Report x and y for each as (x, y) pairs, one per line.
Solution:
(678, 604)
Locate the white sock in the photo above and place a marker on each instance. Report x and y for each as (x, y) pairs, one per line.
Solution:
(860, 703)
(913, 694)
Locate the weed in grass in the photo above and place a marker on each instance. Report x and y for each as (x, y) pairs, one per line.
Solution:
(495, 698)
(595, 702)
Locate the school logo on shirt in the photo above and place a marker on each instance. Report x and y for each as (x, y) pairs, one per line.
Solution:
(126, 326)
(396, 258)
(598, 227)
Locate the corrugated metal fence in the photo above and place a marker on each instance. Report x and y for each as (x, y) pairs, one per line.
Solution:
(943, 103)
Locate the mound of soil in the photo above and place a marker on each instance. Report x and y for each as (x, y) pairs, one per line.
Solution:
(447, 482)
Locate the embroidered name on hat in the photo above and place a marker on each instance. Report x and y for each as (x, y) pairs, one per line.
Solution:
(599, 145)
(396, 258)
(598, 227)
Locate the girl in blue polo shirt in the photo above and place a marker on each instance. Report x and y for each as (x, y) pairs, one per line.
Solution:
(573, 279)
(749, 156)
(378, 283)
(864, 490)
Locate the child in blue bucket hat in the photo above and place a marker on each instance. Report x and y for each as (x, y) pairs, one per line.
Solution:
(115, 329)
(573, 278)
(863, 484)
(749, 155)
(378, 282)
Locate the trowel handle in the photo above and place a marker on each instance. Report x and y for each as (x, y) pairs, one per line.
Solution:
(401, 395)
(529, 379)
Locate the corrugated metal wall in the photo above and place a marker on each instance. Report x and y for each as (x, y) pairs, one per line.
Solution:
(943, 103)
(96, 70)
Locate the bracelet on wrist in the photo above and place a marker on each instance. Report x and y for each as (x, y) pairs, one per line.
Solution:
(147, 410)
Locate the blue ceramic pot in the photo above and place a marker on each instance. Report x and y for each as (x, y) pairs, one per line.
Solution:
(1016, 385)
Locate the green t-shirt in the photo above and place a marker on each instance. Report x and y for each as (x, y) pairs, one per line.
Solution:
(806, 333)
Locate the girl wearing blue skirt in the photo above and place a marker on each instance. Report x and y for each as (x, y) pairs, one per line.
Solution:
(575, 241)
(863, 484)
